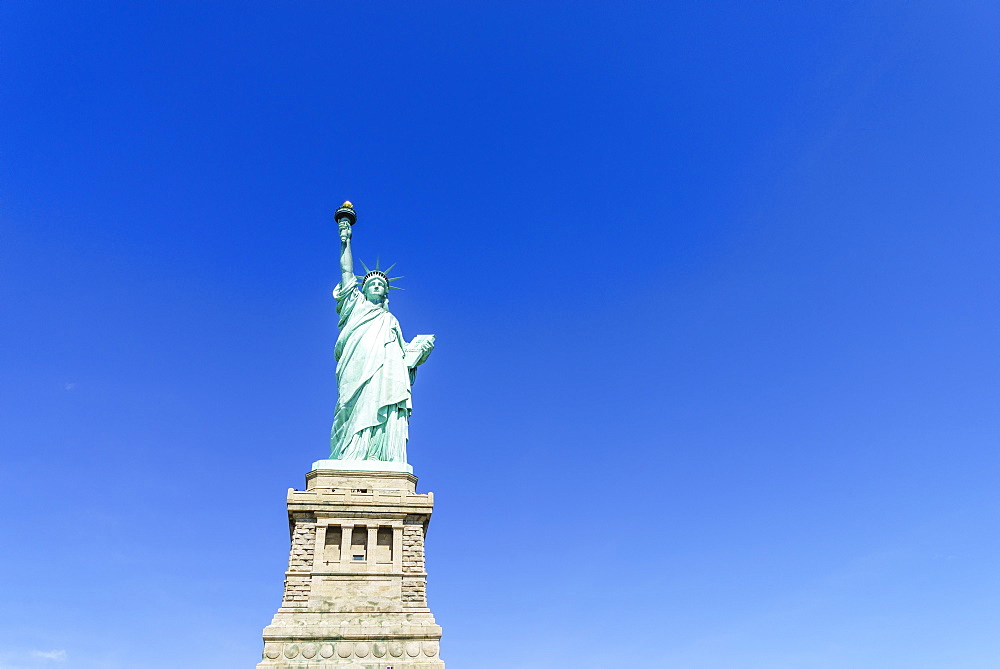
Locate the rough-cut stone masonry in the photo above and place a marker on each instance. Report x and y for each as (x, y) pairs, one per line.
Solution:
(300, 560)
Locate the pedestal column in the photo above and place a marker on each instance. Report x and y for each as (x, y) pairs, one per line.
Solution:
(347, 613)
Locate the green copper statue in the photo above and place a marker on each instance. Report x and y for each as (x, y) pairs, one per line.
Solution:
(375, 365)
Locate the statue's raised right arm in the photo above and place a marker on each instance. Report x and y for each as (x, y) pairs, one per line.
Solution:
(347, 278)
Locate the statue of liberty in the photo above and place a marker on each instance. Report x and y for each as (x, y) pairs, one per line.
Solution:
(375, 365)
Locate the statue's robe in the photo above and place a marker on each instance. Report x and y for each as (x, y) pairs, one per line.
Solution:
(371, 421)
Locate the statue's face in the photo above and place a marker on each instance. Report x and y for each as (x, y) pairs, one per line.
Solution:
(375, 291)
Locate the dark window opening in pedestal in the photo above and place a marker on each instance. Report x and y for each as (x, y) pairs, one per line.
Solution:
(359, 544)
(383, 546)
(331, 548)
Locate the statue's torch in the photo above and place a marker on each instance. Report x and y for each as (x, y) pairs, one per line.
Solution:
(346, 213)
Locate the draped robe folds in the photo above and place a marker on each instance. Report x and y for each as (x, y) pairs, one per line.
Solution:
(371, 421)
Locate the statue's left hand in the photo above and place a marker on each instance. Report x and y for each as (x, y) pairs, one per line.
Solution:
(427, 347)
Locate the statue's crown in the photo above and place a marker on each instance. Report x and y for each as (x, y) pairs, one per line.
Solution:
(379, 274)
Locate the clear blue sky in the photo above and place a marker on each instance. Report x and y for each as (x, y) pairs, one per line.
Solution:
(715, 290)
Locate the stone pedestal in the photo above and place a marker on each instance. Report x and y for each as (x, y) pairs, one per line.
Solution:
(356, 580)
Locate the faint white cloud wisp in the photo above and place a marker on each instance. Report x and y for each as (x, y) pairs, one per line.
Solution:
(57, 655)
